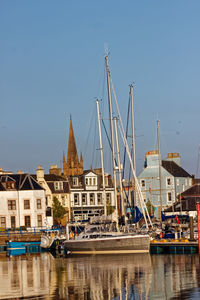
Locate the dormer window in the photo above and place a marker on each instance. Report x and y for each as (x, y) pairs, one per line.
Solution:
(75, 181)
(10, 185)
(106, 180)
(58, 185)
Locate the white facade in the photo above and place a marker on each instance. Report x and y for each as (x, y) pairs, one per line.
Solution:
(54, 186)
(22, 208)
(87, 197)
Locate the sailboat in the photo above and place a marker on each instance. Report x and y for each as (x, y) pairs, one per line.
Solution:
(103, 238)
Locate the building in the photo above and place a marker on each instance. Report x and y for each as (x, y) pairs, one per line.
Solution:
(73, 166)
(55, 186)
(174, 179)
(187, 200)
(23, 202)
(87, 195)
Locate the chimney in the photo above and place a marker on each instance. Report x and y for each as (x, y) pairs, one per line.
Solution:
(175, 157)
(151, 159)
(40, 173)
(55, 170)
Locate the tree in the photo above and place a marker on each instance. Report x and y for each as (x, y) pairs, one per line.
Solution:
(110, 209)
(58, 210)
(150, 208)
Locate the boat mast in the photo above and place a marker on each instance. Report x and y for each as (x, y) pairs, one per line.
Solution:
(111, 133)
(143, 205)
(159, 164)
(119, 168)
(102, 160)
(133, 137)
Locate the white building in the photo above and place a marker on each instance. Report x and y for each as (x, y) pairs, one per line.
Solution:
(22, 202)
(87, 194)
(54, 186)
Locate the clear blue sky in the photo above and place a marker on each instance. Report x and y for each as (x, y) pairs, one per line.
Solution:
(52, 65)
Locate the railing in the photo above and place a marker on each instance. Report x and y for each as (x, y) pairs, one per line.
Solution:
(21, 231)
(27, 231)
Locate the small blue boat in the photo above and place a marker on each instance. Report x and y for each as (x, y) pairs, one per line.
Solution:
(18, 248)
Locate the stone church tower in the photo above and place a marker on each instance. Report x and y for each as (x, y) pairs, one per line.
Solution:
(72, 166)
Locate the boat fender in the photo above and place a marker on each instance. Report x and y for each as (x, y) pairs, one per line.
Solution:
(161, 235)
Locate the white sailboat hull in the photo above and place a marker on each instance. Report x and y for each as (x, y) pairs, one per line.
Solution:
(109, 245)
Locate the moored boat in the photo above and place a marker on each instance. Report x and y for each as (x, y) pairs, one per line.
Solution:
(98, 241)
(52, 239)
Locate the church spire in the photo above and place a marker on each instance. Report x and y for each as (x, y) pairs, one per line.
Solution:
(81, 160)
(72, 152)
(72, 166)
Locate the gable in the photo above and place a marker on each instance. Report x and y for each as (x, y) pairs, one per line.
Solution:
(90, 174)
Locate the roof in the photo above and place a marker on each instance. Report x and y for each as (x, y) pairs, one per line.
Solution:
(175, 169)
(51, 179)
(85, 172)
(187, 200)
(65, 189)
(22, 182)
(193, 191)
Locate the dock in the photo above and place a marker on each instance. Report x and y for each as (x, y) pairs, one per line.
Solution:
(173, 247)
(18, 236)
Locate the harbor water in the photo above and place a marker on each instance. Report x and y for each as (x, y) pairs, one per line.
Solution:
(135, 276)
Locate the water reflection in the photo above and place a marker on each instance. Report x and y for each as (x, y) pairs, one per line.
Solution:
(100, 277)
(24, 276)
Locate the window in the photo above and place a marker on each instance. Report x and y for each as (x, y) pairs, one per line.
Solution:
(169, 196)
(142, 183)
(92, 199)
(106, 180)
(185, 181)
(12, 222)
(3, 222)
(108, 197)
(39, 220)
(94, 181)
(86, 181)
(90, 181)
(10, 185)
(76, 199)
(26, 204)
(84, 199)
(168, 181)
(39, 204)
(11, 204)
(75, 180)
(99, 198)
(58, 185)
(27, 221)
(177, 181)
(63, 200)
